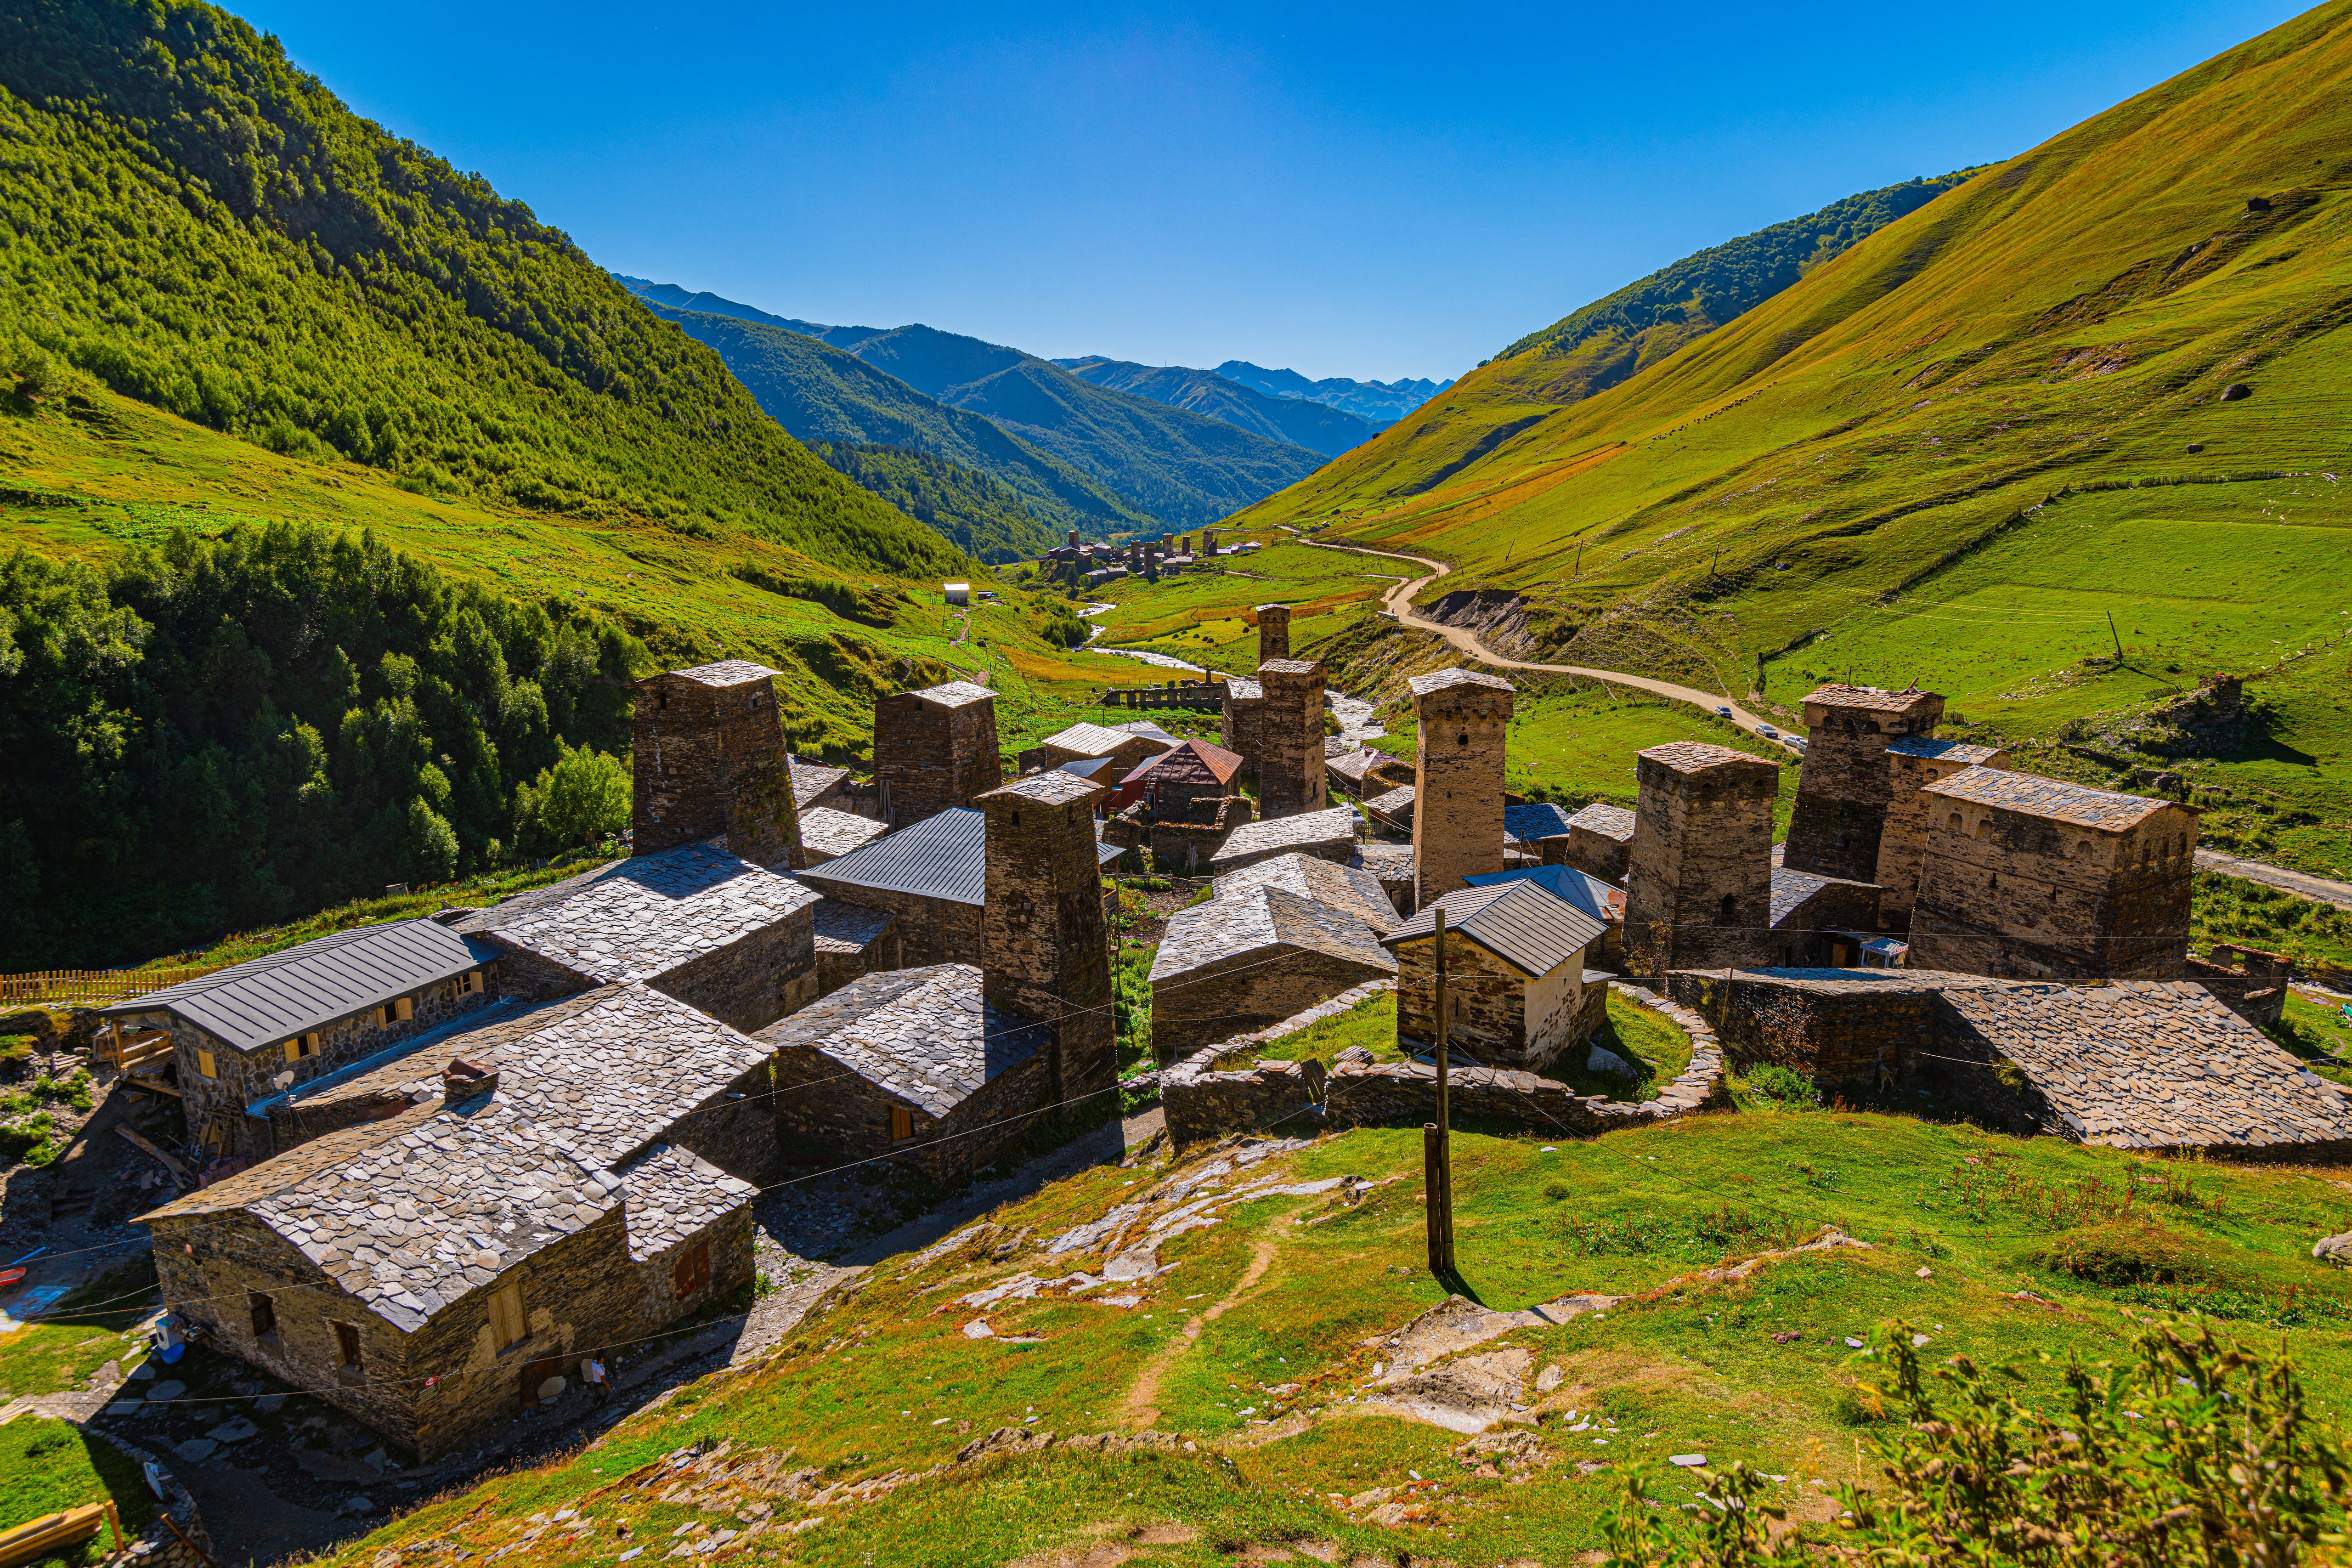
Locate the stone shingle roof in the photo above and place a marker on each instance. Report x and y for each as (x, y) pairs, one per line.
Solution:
(2030, 794)
(645, 916)
(955, 694)
(1147, 728)
(1242, 689)
(1288, 666)
(1256, 920)
(1943, 750)
(726, 672)
(1520, 921)
(1870, 698)
(849, 928)
(1697, 756)
(410, 1213)
(1054, 788)
(1388, 862)
(2153, 1063)
(1396, 805)
(923, 1035)
(673, 1193)
(1792, 889)
(1447, 680)
(811, 780)
(1088, 740)
(1347, 890)
(941, 857)
(1333, 824)
(835, 832)
(1353, 765)
(268, 1000)
(1535, 820)
(1609, 821)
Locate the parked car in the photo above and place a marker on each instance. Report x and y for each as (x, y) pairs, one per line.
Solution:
(1768, 733)
(1722, 712)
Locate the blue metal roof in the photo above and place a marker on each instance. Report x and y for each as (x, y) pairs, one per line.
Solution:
(1537, 819)
(1572, 887)
(941, 857)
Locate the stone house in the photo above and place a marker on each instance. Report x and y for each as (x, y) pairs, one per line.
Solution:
(1464, 721)
(1912, 765)
(709, 755)
(242, 1034)
(1192, 771)
(715, 932)
(2038, 879)
(1600, 843)
(827, 834)
(1347, 890)
(819, 786)
(933, 875)
(1821, 921)
(1844, 784)
(1582, 890)
(563, 1188)
(1255, 956)
(1392, 812)
(934, 750)
(1186, 846)
(1698, 890)
(851, 941)
(1125, 750)
(1240, 721)
(1327, 834)
(1364, 772)
(1517, 991)
(1391, 864)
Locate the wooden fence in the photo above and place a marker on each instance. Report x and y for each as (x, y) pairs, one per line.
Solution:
(91, 987)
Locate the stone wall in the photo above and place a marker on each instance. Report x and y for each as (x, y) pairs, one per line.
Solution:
(182, 1542)
(1273, 633)
(1457, 800)
(736, 1130)
(1487, 1003)
(707, 751)
(733, 1264)
(1840, 1029)
(1699, 880)
(1290, 737)
(2247, 981)
(1903, 839)
(1249, 991)
(1185, 848)
(827, 1113)
(1045, 946)
(764, 975)
(933, 755)
(1842, 785)
(931, 931)
(1591, 851)
(1241, 723)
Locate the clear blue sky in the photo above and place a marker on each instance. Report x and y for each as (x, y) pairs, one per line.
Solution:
(1348, 190)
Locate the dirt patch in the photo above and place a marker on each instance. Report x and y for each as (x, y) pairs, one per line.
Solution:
(1466, 1395)
(1140, 1407)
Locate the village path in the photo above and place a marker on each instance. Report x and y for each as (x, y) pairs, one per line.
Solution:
(1397, 602)
(2302, 883)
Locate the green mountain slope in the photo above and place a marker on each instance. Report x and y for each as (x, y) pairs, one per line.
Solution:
(1298, 421)
(820, 392)
(983, 517)
(203, 228)
(1951, 452)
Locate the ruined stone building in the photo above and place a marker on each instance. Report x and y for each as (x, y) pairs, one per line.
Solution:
(1912, 765)
(935, 749)
(1290, 737)
(709, 762)
(1820, 919)
(943, 1064)
(575, 1175)
(1273, 633)
(932, 876)
(2038, 879)
(1699, 878)
(1518, 991)
(1327, 834)
(1457, 805)
(1363, 773)
(1185, 846)
(1278, 937)
(1843, 785)
(1600, 843)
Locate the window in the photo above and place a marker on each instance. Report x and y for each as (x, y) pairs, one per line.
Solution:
(205, 1064)
(347, 1346)
(1728, 914)
(469, 982)
(507, 1323)
(265, 1315)
(403, 1009)
(902, 1123)
(1954, 824)
(302, 1045)
(692, 1271)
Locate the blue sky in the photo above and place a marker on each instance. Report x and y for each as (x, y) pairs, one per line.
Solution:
(1358, 190)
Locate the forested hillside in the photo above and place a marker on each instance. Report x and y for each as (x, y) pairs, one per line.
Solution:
(981, 517)
(1382, 403)
(205, 227)
(1301, 422)
(208, 736)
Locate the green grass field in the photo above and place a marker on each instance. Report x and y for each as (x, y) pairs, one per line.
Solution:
(53, 1466)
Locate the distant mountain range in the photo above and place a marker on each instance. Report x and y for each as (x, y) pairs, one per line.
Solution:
(1380, 403)
(1080, 455)
(1299, 421)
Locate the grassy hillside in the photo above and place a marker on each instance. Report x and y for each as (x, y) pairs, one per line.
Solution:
(1301, 422)
(822, 393)
(1951, 452)
(202, 226)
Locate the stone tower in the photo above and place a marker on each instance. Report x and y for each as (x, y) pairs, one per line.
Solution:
(1290, 775)
(1842, 788)
(934, 748)
(709, 760)
(1457, 781)
(1912, 764)
(1698, 890)
(1044, 945)
(1273, 632)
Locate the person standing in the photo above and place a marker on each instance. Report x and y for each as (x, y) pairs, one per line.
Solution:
(591, 1373)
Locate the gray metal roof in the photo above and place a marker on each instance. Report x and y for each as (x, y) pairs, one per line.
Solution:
(268, 1000)
(941, 857)
(1519, 921)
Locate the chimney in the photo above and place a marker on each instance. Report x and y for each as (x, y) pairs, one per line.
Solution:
(709, 760)
(463, 1079)
(1457, 794)
(1044, 945)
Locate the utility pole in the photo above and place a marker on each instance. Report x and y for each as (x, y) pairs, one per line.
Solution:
(1436, 1158)
(2117, 634)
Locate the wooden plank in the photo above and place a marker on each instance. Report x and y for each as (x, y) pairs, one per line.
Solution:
(41, 1537)
(179, 1171)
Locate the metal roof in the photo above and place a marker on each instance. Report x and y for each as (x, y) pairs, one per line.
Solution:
(941, 857)
(1089, 739)
(1520, 922)
(1537, 819)
(268, 1000)
(1567, 884)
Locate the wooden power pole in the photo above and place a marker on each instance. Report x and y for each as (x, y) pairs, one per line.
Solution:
(1436, 1156)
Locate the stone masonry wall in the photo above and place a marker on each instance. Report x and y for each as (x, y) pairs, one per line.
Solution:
(1273, 633)
(1290, 739)
(1903, 841)
(1486, 1002)
(733, 1265)
(1240, 728)
(756, 979)
(931, 931)
(929, 757)
(1842, 785)
(1457, 800)
(1250, 991)
(1045, 946)
(737, 1131)
(708, 757)
(1699, 884)
(1594, 854)
(1839, 1034)
(827, 1112)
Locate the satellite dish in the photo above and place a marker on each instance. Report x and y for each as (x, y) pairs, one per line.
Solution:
(284, 1078)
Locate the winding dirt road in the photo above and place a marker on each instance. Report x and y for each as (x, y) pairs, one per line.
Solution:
(1397, 602)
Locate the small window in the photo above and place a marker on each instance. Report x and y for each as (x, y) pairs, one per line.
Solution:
(506, 1322)
(205, 1064)
(902, 1123)
(403, 1009)
(265, 1315)
(301, 1046)
(1954, 824)
(692, 1270)
(347, 1346)
(469, 982)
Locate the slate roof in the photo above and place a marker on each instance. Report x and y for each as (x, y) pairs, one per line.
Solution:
(1347, 890)
(1696, 756)
(1943, 750)
(1288, 666)
(1396, 806)
(837, 833)
(1388, 862)
(941, 857)
(955, 694)
(1792, 889)
(1535, 820)
(811, 780)
(1332, 825)
(645, 916)
(268, 1000)
(672, 1194)
(923, 1035)
(2147, 1064)
(1242, 689)
(725, 673)
(1520, 922)
(1447, 680)
(1870, 698)
(1088, 740)
(1602, 900)
(1256, 919)
(849, 928)
(410, 1213)
(1353, 765)
(1056, 788)
(1609, 821)
(2030, 794)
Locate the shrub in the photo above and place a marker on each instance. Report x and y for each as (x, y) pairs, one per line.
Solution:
(2125, 1252)
(1785, 1085)
(1555, 1191)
